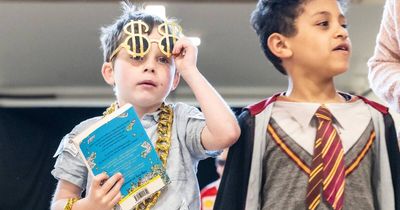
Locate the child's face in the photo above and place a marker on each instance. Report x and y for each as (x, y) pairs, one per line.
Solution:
(146, 81)
(321, 46)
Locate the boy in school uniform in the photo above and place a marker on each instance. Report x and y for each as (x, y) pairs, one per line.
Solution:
(143, 64)
(311, 147)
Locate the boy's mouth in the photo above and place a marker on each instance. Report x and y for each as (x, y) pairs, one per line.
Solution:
(342, 47)
(147, 83)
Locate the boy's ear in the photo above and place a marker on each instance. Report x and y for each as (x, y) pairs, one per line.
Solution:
(108, 73)
(278, 45)
(177, 78)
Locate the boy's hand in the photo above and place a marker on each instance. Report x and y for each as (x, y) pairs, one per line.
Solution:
(185, 54)
(104, 192)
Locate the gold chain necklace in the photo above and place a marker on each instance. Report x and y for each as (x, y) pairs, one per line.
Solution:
(164, 128)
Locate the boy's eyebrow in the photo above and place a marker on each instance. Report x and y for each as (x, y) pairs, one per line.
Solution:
(326, 13)
(342, 17)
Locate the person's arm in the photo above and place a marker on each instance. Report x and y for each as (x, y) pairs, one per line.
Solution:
(222, 129)
(384, 66)
(104, 193)
(64, 191)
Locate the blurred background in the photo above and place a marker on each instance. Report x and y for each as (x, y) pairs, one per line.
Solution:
(50, 50)
(50, 61)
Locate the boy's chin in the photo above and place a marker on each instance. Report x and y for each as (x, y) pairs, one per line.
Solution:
(149, 102)
(337, 70)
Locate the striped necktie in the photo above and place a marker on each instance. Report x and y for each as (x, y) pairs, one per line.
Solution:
(327, 174)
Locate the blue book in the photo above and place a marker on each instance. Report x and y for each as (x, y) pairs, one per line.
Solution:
(119, 143)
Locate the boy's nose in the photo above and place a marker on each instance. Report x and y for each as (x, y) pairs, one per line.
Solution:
(342, 33)
(149, 66)
(149, 70)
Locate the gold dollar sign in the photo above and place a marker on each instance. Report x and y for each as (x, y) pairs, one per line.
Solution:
(170, 32)
(134, 31)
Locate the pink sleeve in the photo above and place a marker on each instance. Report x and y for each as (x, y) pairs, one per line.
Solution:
(384, 65)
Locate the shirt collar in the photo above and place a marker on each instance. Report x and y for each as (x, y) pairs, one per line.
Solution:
(305, 115)
(151, 116)
(342, 111)
(149, 119)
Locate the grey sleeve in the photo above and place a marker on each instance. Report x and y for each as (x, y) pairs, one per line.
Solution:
(69, 165)
(190, 124)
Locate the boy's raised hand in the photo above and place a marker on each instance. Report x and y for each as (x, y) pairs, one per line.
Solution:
(221, 128)
(185, 54)
(104, 192)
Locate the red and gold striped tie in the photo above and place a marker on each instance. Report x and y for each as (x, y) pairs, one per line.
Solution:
(327, 174)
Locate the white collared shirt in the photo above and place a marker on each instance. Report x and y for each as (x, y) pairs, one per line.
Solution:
(298, 121)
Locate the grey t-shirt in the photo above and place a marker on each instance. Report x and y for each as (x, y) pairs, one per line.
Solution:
(185, 152)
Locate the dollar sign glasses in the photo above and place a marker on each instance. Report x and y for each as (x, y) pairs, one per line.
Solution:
(137, 43)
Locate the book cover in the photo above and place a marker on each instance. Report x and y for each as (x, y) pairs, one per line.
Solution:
(119, 143)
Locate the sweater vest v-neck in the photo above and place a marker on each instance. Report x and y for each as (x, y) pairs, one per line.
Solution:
(286, 166)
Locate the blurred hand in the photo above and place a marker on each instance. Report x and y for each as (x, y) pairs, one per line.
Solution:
(104, 192)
